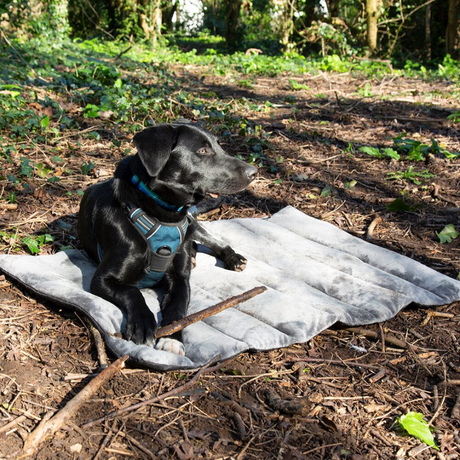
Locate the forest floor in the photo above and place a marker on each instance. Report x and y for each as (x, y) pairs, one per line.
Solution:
(349, 398)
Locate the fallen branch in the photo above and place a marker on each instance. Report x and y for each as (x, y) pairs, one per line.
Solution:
(51, 424)
(176, 326)
(375, 335)
(288, 406)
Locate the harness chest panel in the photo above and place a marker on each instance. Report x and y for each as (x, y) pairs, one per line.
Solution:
(164, 239)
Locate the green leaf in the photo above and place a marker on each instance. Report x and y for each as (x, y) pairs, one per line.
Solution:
(372, 151)
(414, 424)
(31, 244)
(350, 185)
(86, 168)
(399, 205)
(388, 152)
(447, 234)
(26, 167)
(326, 191)
(91, 111)
(455, 117)
(45, 121)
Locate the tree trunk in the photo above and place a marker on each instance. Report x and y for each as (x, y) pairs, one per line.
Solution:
(287, 26)
(149, 19)
(372, 12)
(156, 23)
(428, 31)
(168, 11)
(233, 8)
(452, 28)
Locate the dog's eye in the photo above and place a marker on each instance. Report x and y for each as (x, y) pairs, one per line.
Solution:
(205, 151)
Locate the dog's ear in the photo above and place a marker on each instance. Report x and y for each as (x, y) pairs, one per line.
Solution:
(154, 145)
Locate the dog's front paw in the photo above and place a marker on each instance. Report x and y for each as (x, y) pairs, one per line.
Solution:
(235, 262)
(170, 345)
(141, 327)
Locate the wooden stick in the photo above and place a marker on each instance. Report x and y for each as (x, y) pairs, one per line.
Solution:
(10, 425)
(176, 326)
(51, 424)
(373, 224)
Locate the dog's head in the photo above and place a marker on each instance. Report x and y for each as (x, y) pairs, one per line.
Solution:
(186, 160)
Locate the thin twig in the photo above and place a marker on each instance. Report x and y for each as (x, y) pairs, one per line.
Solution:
(374, 335)
(338, 362)
(372, 226)
(51, 424)
(168, 394)
(176, 326)
(11, 424)
(100, 348)
(17, 53)
(121, 54)
(441, 404)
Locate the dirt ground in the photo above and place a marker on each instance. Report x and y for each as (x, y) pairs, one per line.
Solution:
(337, 396)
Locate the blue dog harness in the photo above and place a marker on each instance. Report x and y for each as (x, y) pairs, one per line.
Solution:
(164, 239)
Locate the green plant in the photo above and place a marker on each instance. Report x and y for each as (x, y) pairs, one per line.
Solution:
(399, 205)
(245, 84)
(455, 117)
(86, 168)
(413, 423)
(27, 167)
(350, 185)
(35, 242)
(91, 111)
(447, 234)
(409, 174)
(296, 86)
(418, 151)
(365, 91)
(377, 153)
(326, 191)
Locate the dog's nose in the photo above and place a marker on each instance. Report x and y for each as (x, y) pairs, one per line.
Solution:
(251, 172)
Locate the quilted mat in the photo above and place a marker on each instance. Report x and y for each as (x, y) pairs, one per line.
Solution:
(316, 275)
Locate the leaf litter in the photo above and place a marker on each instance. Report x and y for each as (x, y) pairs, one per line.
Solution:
(337, 396)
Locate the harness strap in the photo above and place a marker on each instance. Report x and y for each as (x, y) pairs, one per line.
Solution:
(164, 239)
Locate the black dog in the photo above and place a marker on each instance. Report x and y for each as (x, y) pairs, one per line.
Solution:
(136, 226)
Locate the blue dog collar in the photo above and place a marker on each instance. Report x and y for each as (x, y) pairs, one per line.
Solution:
(146, 191)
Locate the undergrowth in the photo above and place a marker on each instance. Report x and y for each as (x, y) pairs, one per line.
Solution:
(56, 95)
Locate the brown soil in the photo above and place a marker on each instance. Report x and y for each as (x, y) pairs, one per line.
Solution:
(334, 401)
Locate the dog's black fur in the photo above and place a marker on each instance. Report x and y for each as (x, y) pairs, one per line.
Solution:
(180, 162)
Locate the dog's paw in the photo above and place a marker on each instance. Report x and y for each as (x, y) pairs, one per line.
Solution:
(235, 262)
(170, 345)
(141, 327)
